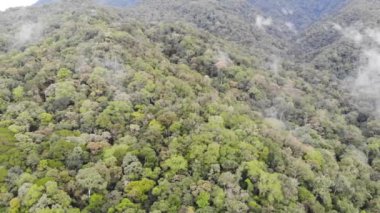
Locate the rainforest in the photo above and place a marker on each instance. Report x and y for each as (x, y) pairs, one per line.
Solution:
(164, 106)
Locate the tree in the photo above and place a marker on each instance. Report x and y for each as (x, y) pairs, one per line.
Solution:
(175, 164)
(24, 115)
(14, 205)
(270, 187)
(18, 93)
(115, 117)
(60, 90)
(132, 167)
(314, 158)
(137, 190)
(269, 184)
(95, 204)
(74, 159)
(89, 178)
(32, 195)
(45, 118)
(203, 199)
(52, 196)
(218, 197)
(64, 73)
(126, 205)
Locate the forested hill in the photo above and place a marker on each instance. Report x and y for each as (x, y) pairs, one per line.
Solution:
(183, 106)
(115, 3)
(237, 21)
(299, 12)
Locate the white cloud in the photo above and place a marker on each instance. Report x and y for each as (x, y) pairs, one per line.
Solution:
(287, 11)
(350, 33)
(365, 87)
(337, 27)
(25, 33)
(262, 22)
(354, 35)
(273, 64)
(5, 4)
(28, 32)
(291, 26)
(374, 35)
(370, 72)
(367, 84)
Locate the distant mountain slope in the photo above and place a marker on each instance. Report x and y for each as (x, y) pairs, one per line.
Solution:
(337, 33)
(235, 21)
(232, 20)
(116, 3)
(344, 49)
(299, 12)
(239, 21)
(42, 2)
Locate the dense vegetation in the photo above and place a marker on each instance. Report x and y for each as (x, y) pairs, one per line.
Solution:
(103, 110)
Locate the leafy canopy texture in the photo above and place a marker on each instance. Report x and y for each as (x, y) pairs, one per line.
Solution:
(186, 106)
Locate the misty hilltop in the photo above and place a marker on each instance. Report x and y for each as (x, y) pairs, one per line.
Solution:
(115, 3)
(299, 12)
(190, 106)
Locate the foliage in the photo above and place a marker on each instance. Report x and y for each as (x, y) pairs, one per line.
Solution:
(178, 112)
(137, 189)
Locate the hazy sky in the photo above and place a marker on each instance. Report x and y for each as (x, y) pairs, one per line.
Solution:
(5, 4)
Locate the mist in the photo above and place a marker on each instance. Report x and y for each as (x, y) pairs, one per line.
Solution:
(262, 22)
(287, 12)
(349, 32)
(274, 64)
(291, 27)
(365, 86)
(374, 35)
(28, 32)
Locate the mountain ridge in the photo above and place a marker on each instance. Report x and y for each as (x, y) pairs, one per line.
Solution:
(301, 14)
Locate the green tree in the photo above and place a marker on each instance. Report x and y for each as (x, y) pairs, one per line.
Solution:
(314, 158)
(64, 73)
(115, 117)
(137, 190)
(125, 205)
(203, 199)
(132, 167)
(95, 204)
(175, 164)
(18, 93)
(45, 118)
(32, 195)
(90, 179)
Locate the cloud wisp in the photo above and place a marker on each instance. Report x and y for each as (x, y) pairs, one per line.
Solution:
(262, 22)
(365, 87)
(28, 32)
(349, 32)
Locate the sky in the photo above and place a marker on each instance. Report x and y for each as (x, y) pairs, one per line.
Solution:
(5, 4)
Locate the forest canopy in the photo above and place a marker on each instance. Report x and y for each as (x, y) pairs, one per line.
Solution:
(181, 106)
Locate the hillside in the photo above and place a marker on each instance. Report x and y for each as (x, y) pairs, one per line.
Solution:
(177, 106)
(300, 13)
(114, 3)
(236, 21)
(354, 17)
(345, 47)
